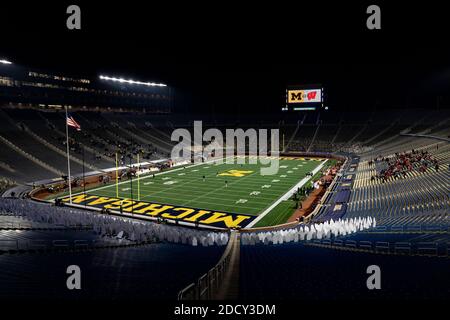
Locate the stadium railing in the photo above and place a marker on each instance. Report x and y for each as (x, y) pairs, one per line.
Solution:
(209, 284)
(29, 245)
(430, 249)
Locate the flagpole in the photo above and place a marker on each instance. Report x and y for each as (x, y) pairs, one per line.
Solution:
(68, 159)
(117, 177)
(84, 176)
(131, 177)
(131, 174)
(138, 179)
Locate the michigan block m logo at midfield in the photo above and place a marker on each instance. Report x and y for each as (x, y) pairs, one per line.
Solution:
(236, 144)
(235, 173)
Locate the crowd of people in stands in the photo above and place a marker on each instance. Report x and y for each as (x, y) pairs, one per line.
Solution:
(401, 163)
(111, 226)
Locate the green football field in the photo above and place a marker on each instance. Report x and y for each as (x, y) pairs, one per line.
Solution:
(236, 188)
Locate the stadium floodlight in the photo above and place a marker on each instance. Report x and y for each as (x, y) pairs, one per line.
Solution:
(5, 61)
(130, 81)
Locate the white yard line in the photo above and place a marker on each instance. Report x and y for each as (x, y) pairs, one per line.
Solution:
(145, 177)
(158, 199)
(223, 186)
(286, 196)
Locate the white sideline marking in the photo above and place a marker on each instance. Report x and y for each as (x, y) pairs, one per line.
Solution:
(286, 196)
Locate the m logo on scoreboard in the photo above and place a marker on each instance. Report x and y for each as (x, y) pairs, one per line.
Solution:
(295, 95)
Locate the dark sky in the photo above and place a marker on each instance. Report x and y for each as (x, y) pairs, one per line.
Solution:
(225, 56)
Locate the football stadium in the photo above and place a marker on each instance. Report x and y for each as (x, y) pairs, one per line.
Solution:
(124, 182)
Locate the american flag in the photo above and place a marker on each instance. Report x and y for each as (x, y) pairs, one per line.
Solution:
(72, 123)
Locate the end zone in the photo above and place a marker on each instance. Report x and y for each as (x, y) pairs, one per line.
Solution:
(154, 211)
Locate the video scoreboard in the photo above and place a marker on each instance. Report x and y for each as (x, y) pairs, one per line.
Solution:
(301, 98)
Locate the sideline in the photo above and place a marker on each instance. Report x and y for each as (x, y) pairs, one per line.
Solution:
(286, 196)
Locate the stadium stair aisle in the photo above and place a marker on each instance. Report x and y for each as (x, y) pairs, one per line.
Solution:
(90, 149)
(19, 137)
(230, 283)
(30, 122)
(146, 134)
(58, 150)
(37, 161)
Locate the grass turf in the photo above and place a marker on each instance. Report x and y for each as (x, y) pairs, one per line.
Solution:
(246, 192)
(278, 215)
(285, 209)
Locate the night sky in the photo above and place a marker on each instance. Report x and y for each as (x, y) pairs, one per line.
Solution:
(227, 57)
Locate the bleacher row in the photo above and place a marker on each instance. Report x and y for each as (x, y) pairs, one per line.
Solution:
(418, 197)
(434, 219)
(399, 143)
(376, 189)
